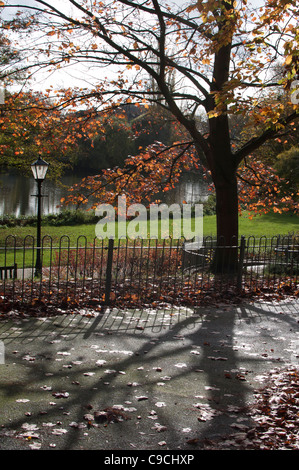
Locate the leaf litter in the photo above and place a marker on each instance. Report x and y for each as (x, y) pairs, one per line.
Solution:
(275, 416)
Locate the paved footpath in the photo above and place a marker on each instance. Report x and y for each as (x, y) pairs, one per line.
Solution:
(164, 380)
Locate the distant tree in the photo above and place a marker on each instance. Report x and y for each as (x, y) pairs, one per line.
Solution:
(154, 125)
(107, 149)
(287, 166)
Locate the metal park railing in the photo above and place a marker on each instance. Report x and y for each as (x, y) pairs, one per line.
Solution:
(139, 273)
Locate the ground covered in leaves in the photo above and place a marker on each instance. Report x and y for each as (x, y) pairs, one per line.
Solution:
(36, 298)
(275, 414)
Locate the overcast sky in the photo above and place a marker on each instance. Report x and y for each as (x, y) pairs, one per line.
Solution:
(68, 77)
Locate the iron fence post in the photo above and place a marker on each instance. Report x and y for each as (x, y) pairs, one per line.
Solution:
(241, 262)
(109, 271)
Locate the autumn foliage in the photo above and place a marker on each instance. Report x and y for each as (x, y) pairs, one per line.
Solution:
(208, 61)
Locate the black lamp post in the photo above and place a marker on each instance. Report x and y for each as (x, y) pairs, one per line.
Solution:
(39, 170)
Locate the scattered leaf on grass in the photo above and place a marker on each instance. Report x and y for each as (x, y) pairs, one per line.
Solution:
(46, 387)
(110, 414)
(217, 358)
(29, 427)
(133, 384)
(100, 362)
(29, 358)
(29, 435)
(62, 394)
(75, 425)
(160, 404)
(180, 365)
(35, 446)
(88, 417)
(159, 428)
(143, 397)
(193, 442)
(59, 431)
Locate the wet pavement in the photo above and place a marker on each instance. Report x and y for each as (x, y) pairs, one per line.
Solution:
(152, 380)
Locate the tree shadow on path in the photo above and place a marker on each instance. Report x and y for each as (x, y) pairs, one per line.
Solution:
(183, 377)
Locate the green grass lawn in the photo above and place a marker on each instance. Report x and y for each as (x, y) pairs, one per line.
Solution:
(266, 225)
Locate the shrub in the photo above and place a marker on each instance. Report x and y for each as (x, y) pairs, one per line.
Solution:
(71, 217)
(67, 217)
(209, 207)
(91, 261)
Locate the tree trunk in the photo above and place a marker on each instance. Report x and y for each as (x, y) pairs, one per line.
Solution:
(226, 254)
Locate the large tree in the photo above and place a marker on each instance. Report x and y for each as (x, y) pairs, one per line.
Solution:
(220, 55)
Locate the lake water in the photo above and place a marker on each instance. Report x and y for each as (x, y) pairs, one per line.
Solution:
(17, 193)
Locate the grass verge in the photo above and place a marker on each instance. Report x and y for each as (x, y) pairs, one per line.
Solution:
(268, 225)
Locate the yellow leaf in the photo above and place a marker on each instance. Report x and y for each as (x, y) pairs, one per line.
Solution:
(288, 60)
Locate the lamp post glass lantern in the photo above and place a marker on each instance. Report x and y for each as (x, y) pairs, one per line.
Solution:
(39, 170)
